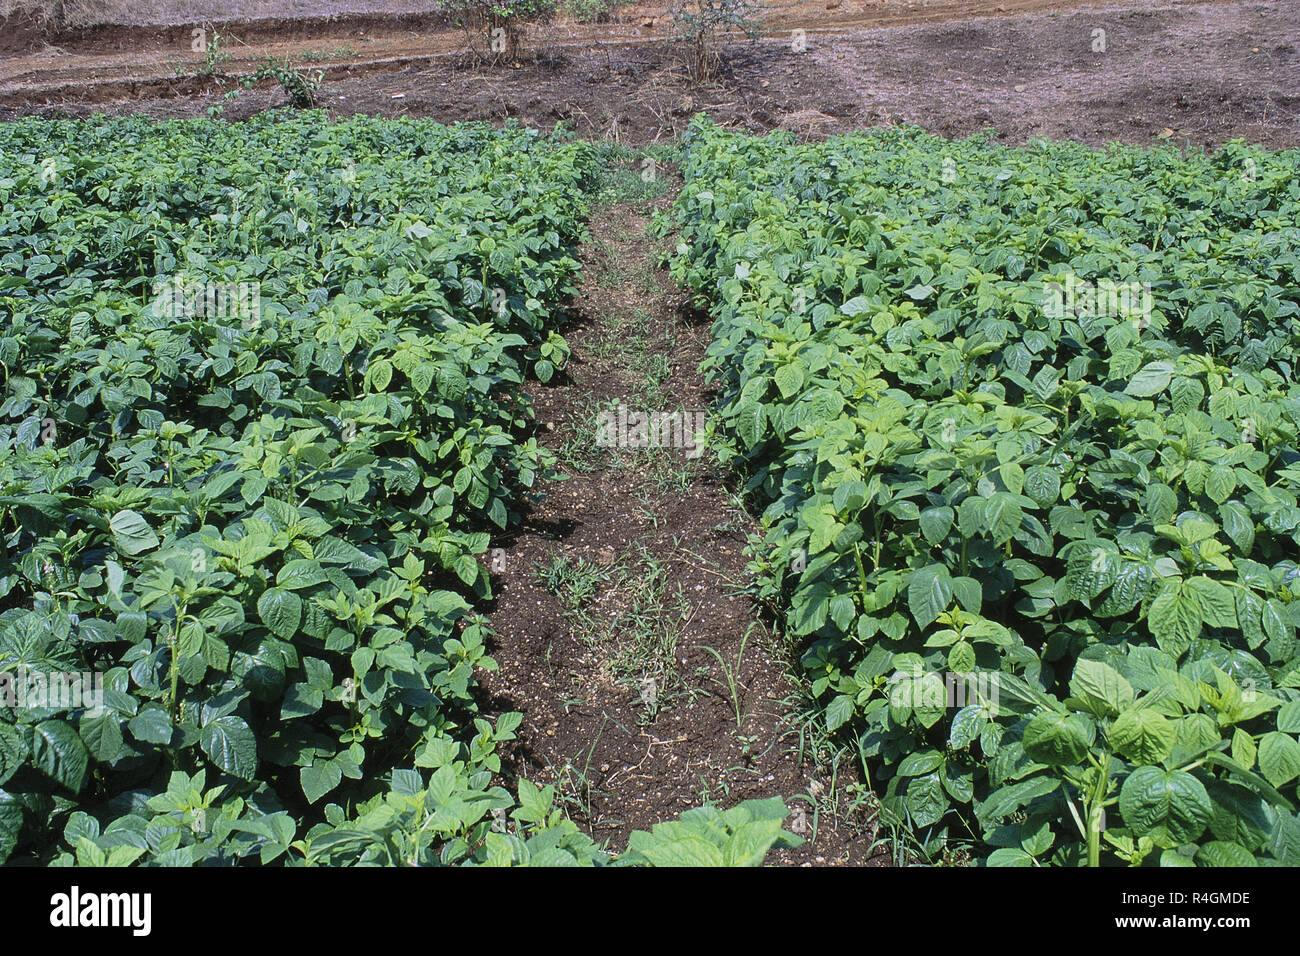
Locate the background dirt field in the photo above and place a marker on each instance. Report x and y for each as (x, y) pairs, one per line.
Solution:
(1206, 71)
(1195, 72)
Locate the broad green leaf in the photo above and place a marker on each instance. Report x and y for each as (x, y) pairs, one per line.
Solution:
(936, 522)
(1217, 605)
(1238, 526)
(1170, 806)
(1091, 570)
(1160, 502)
(839, 712)
(750, 423)
(1239, 815)
(57, 751)
(1186, 394)
(969, 594)
(1220, 483)
(1043, 484)
(131, 533)
(1276, 627)
(379, 375)
(13, 751)
(300, 573)
(1131, 584)
(1222, 853)
(1143, 735)
(1100, 688)
(319, 778)
(1002, 515)
(789, 379)
(151, 725)
(1288, 718)
(1250, 611)
(1010, 856)
(280, 611)
(230, 744)
(929, 592)
(102, 736)
(749, 844)
(1058, 739)
(686, 850)
(961, 658)
(1244, 750)
(1006, 800)
(452, 383)
(919, 764)
(1175, 618)
(1279, 758)
(925, 800)
(11, 824)
(1153, 379)
(966, 726)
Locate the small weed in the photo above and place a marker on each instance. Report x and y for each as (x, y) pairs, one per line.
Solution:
(590, 11)
(657, 369)
(300, 86)
(650, 628)
(579, 450)
(572, 580)
(215, 53)
(612, 273)
(573, 780)
(638, 625)
(732, 674)
(672, 473)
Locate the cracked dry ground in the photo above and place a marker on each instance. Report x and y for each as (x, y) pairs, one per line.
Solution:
(627, 577)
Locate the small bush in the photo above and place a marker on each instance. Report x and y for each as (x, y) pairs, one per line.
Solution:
(501, 23)
(701, 23)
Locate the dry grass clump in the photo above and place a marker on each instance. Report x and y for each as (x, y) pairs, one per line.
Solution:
(54, 15)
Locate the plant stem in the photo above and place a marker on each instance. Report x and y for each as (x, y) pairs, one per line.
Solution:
(172, 640)
(1096, 813)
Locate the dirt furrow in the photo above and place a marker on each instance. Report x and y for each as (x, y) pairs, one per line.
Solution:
(625, 638)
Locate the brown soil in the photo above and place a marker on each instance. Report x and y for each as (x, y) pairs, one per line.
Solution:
(624, 753)
(1200, 73)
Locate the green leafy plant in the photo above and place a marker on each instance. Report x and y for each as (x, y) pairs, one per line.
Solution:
(707, 836)
(590, 11)
(301, 86)
(215, 53)
(344, 52)
(261, 524)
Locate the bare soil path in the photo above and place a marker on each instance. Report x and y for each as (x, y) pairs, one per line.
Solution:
(625, 638)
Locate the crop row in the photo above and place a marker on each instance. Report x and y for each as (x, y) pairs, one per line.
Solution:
(1024, 425)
